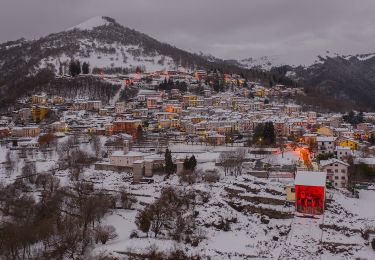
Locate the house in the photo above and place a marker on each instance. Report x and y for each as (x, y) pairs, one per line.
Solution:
(310, 139)
(353, 144)
(121, 158)
(95, 105)
(216, 139)
(342, 152)
(369, 161)
(310, 190)
(326, 131)
(337, 172)
(126, 126)
(290, 193)
(120, 107)
(326, 144)
(39, 113)
(27, 131)
(4, 132)
(39, 99)
(125, 158)
(59, 127)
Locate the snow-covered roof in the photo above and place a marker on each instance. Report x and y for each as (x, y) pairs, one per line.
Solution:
(324, 163)
(129, 154)
(310, 178)
(325, 139)
(368, 160)
(342, 148)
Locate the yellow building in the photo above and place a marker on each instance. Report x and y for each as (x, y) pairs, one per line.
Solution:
(260, 92)
(290, 193)
(190, 100)
(349, 143)
(38, 113)
(57, 100)
(39, 99)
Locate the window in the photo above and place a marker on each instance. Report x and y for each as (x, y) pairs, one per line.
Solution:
(342, 171)
(293, 190)
(343, 178)
(336, 177)
(336, 170)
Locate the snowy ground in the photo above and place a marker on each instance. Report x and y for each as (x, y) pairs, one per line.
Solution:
(261, 226)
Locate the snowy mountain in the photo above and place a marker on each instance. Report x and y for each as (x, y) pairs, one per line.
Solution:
(264, 63)
(102, 42)
(347, 81)
(107, 46)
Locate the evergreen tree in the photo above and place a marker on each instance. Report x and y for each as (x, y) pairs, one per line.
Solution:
(264, 133)
(186, 163)
(74, 68)
(269, 133)
(169, 166)
(85, 68)
(192, 163)
(258, 133)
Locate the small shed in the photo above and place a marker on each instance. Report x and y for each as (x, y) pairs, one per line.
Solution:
(310, 190)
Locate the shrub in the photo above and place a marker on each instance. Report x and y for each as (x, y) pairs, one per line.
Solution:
(105, 233)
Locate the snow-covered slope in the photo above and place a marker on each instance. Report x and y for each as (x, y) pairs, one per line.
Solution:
(91, 23)
(101, 52)
(102, 42)
(264, 63)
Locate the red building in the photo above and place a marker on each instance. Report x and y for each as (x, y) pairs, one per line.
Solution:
(310, 192)
(127, 126)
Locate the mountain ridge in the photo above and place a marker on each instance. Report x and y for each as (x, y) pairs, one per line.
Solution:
(104, 44)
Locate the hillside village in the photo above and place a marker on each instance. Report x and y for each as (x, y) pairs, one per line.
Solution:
(179, 162)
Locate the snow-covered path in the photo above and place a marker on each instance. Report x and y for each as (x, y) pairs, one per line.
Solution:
(304, 238)
(116, 97)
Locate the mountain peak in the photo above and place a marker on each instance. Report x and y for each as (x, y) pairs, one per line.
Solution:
(93, 22)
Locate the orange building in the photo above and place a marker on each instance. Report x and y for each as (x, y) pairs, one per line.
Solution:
(127, 126)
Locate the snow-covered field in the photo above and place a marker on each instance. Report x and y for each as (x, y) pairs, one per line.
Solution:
(260, 225)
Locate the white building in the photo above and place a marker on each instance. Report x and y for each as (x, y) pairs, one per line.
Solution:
(125, 158)
(337, 172)
(326, 144)
(120, 158)
(342, 152)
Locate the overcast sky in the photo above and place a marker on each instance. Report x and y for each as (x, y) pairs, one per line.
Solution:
(295, 31)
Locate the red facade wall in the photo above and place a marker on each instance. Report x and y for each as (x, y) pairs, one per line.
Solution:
(310, 199)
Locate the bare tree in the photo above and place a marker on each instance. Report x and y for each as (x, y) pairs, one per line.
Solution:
(9, 163)
(224, 162)
(126, 199)
(97, 146)
(29, 171)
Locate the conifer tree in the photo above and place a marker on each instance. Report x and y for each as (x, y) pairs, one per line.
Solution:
(85, 68)
(169, 166)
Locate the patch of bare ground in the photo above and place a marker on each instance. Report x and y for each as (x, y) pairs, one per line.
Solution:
(339, 248)
(250, 209)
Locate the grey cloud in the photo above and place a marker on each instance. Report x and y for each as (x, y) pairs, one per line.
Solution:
(295, 30)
